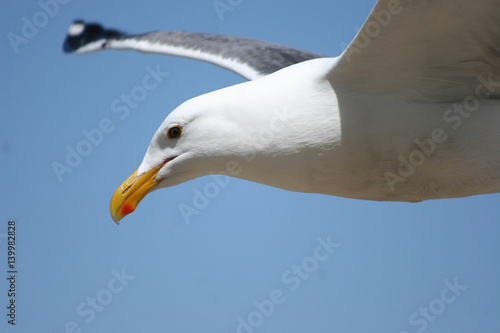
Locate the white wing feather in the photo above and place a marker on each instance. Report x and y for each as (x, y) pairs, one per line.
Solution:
(424, 50)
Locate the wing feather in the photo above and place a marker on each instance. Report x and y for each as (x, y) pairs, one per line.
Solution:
(425, 50)
(247, 57)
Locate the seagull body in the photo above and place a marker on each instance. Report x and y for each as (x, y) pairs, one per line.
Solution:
(285, 140)
(409, 111)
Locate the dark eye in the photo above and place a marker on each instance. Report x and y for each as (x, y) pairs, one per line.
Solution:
(174, 132)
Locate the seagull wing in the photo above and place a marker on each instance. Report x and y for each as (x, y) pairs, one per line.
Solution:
(425, 50)
(247, 57)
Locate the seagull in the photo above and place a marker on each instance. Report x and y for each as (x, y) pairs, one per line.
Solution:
(410, 111)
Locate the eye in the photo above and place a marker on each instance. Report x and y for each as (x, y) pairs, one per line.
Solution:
(174, 132)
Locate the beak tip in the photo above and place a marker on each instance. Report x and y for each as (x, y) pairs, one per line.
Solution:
(130, 193)
(116, 218)
(124, 210)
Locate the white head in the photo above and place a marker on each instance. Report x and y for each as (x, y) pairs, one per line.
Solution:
(194, 140)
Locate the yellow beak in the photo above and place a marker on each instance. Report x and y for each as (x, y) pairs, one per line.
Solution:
(131, 192)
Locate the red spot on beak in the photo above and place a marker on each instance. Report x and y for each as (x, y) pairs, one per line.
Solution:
(127, 209)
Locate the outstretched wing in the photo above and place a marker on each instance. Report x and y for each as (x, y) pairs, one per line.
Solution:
(425, 50)
(247, 57)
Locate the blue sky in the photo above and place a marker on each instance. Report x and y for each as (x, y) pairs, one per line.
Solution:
(253, 258)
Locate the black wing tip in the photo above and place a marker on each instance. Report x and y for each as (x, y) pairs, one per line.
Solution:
(81, 33)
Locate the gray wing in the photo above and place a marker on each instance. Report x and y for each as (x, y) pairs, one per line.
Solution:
(247, 57)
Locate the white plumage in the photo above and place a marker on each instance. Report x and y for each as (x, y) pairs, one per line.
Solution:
(408, 112)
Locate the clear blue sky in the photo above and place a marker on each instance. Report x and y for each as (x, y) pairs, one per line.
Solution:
(254, 258)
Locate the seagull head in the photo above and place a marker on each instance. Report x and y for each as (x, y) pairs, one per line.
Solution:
(193, 141)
